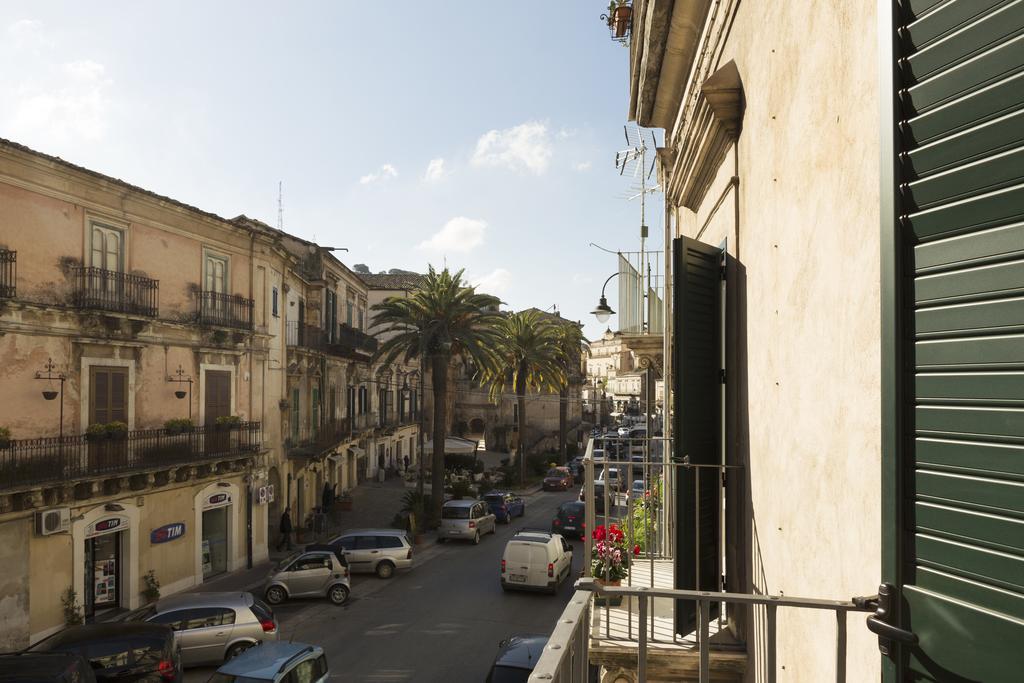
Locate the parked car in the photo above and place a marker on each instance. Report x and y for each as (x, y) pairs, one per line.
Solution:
(45, 667)
(516, 658)
(505, 505)
(570, 519)
(612, 478)
(210, 628)
(276, 662)
(536, 560)
(373, 551)
(557, 479)
(308, 574)
(598, 454)
(639, 488)
(465, 519)
(121, 652)
(598, 496)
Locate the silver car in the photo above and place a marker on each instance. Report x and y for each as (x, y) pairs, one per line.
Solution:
(375, 551)
(211, 628)
(308, 574)
(466, 519)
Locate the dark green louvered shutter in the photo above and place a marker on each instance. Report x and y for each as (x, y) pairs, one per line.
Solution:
(959, 67)
(697, 343)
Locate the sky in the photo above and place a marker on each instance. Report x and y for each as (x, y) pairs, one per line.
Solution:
(477, 135)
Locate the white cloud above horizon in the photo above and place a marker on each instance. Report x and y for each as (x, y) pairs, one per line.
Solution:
(460, 234)
(523, 147)
(435, 171)
(581, 166)
(496, 282)
(386, 171)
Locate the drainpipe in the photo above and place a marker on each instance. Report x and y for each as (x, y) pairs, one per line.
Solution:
(250, 478)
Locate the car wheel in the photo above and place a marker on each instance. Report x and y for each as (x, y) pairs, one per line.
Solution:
(338, 594)
(276, 595)
(476, 538)
(385, 570)
(236, 649)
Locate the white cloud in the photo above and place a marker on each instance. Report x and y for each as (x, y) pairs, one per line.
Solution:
(581, 166)
(496, 282)
(460, 234)
(435, 171)
(523, 147)
(29, 34)
(386, 171)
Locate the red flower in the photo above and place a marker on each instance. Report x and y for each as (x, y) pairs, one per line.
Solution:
(636, 549)
(599, 533)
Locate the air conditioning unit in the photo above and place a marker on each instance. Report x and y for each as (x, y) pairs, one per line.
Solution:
(56, 521)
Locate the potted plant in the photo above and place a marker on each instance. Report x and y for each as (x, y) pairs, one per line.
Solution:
(117, 431)
(619, 13)
(72, 610)
(5, 437)
(609, 560)
(152, 590)
(178, 425)
(225, 422)
(96, 432)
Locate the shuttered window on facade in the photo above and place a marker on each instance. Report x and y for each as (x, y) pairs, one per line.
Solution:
(108, 395)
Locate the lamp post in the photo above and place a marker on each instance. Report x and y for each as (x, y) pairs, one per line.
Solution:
(603, 311)
(48, 374)
(182, 379)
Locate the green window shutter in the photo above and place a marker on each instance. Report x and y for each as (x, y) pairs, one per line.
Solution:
(697, 418)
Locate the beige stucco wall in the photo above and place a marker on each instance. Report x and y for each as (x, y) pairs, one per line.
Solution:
(804, 231)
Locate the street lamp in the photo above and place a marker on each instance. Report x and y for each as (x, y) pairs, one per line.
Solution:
(49, 394)
(603, 310)
(182, 379)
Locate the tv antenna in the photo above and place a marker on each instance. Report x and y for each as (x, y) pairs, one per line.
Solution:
(280, 208)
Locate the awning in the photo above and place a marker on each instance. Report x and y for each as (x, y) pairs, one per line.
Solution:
(453, 445)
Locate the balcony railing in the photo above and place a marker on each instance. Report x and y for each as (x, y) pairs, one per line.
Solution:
(8, 274)
(27, 462)
(348, 342)
(356, 339)
(225, 310)
(315, 440)
(114, 291)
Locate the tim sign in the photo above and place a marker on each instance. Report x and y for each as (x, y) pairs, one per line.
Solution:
(167, 532)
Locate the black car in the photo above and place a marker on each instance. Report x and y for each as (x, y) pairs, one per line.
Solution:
(516, 658)
(45, 667)
(598, 496)
(125, 653)
(568, 520)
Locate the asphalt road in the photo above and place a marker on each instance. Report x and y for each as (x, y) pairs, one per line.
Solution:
(440, 621)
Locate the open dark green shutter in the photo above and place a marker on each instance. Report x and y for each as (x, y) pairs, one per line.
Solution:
(959, 67)
(697, 420)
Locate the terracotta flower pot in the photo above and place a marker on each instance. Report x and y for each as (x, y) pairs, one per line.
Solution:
(608, 600)
(621, 20)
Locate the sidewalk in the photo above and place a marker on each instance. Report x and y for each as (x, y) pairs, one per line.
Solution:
(373, 506)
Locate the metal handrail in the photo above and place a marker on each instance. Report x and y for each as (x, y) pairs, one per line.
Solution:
(115, 291)
(8, 274)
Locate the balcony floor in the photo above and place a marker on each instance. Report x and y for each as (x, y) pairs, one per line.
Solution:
(614, 634)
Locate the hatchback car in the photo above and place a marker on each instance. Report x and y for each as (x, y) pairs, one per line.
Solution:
(557, 479)
(308, 574)
(570, 519)
(465, 519)
(121, 652)
(516, 658)
(374, 551)
(505, 505)
(639, 489)
(598, 496)
(277, 662)
(211, 627)
(45, 667)
(536, 560)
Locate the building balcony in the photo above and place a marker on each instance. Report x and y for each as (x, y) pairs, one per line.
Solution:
(357, 340)
(69, 459)
(8, 274)
(224, 310)
(315, 441)
(347, 342)
(110, 290)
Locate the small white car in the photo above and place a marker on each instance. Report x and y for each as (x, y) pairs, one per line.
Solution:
(466, 519)
(536, 560)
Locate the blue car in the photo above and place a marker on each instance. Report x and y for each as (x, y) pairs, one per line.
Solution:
(504, 506)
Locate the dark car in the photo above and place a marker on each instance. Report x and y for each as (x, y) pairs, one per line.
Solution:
(505, 506)
(121, 652)
(558, 479)
(569, 520)
(598, 496)
(516, 658)
(45, 667)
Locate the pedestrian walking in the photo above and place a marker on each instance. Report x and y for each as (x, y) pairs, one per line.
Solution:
(286, 530)
(405, 461)
(326, 498)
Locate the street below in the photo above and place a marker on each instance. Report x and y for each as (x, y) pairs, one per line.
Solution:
(440, 621)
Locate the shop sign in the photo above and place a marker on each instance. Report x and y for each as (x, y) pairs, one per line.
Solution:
(265, 494)
(168, 532)
(217, 500)
(106, 526)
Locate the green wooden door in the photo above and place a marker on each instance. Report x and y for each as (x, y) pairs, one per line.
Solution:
(697, 425)
(955, 461)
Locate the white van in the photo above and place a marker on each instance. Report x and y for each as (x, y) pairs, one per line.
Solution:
(536, 560)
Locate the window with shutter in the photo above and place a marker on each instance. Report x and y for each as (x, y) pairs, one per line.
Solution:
(108, 396)
(697, 419)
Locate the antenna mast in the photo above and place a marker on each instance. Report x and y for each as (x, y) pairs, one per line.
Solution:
(280, 208)
(635, 156)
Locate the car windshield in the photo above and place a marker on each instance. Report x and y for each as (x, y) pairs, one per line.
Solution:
(572, 508)
(508, 674)
(288, 560)
(555, 472)
(453, 512)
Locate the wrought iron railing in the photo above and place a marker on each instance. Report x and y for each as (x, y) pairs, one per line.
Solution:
(8, 274)
(224, 310)
(347, 342)
(314, 441)
(114, 291)
(356, 339)
(26, 462)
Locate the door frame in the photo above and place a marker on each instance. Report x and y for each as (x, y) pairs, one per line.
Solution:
(86, 386)
(203, 367)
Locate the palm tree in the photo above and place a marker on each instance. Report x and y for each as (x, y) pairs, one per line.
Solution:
(441, 320)
(526, 357)
(571, 346)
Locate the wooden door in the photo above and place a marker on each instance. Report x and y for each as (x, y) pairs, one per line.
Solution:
(217, 404)
(108, 402)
